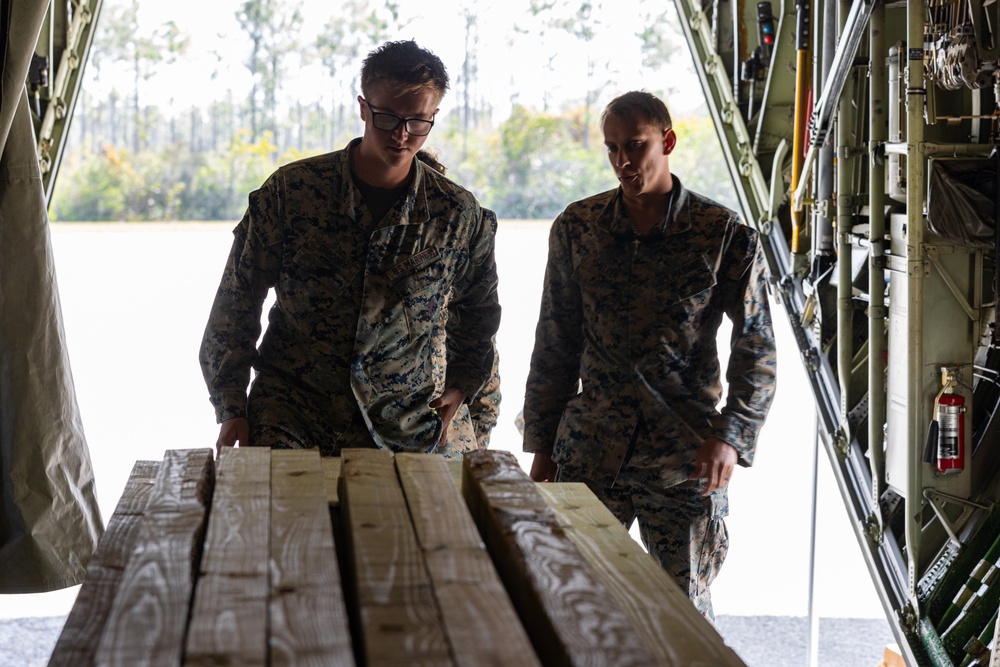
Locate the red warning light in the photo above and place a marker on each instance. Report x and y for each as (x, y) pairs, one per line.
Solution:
(765, 29)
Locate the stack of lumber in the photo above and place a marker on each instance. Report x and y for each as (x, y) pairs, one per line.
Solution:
(285, 558)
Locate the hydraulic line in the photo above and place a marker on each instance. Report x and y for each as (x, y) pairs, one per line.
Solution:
(823, 248)
(914, 304)
(876, 273)
(803, 58)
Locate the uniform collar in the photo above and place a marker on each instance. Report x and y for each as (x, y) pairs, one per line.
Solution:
(414, 209)
(678, 217)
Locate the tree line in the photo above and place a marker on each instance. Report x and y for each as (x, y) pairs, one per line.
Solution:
(130, 159)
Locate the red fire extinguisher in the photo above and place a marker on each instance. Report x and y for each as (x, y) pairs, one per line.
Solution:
(950, 416)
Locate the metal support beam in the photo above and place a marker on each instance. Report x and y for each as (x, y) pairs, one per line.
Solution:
(70, 51)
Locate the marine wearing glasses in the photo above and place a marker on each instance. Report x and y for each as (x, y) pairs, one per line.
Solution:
(356, 358)
(388, 122)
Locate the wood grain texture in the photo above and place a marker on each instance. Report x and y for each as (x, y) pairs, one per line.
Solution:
(430, 590)
(148, 620)
(661, 613)
(565, 607)
(479, 618)
(455, 468)
(331, 476)
(77, 643)
(229, 618)
(308, 619)
(400, 623)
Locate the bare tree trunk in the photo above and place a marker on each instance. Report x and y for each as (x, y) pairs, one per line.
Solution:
(253, 110)
(112, 117)
(173, 123)
(83, 115)
(302, 129)
(135, 110)
(194, 140)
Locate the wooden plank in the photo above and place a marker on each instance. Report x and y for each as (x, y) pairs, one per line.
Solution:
(77, 643)
(149, 616)
(455, 468)
(892, 657)
(479, 618)
(564, 605)
(229, 617)
(331, 476)
(664, 617)
(308, 618)
(400, 623)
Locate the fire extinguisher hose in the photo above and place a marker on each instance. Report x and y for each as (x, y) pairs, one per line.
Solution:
(930, 449)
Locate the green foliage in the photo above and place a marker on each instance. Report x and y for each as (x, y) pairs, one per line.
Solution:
(222, 181)
(168, 184)
(95, 185)
(127, 165)
(698, 161)
(530, 167)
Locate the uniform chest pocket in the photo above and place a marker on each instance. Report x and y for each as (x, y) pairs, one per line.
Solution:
(315, 292)
(691, 282)
(422, 284)
(323, 268)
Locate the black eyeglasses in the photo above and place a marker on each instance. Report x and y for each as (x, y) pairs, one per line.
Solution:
(389, 122)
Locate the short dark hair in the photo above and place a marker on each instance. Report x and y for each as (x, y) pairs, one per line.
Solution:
(405, 65)
(642, 104)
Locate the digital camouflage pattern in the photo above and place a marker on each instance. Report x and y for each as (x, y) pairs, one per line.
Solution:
(634, 322)
(625, 378)
(684, 531)
(473, 423)
(348, 358)
(485, 409)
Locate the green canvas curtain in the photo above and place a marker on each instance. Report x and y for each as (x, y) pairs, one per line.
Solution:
(49, 518)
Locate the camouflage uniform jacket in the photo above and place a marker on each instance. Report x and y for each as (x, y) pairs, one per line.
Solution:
(473, 423)
(358, 302)
(633, 320)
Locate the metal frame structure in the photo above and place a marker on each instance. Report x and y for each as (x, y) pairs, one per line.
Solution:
(831, 148)
(65, 41)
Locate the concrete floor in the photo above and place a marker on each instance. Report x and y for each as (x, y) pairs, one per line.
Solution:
(761, 641)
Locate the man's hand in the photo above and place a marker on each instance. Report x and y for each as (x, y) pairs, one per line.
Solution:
(714, 463)
(543, 468)
(233, 430)
(446, 405)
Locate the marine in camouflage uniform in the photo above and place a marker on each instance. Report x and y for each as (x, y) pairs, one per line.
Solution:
(625, 378)
(372, 257)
